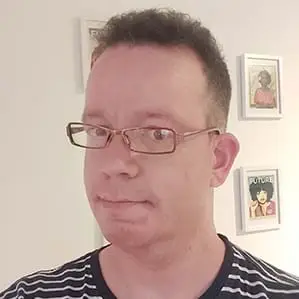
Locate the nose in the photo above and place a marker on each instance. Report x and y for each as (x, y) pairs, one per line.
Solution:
(118, 160)
(120, 168)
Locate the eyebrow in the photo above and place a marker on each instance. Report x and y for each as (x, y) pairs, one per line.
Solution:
(141, 115)
(163, 115)
(153, 114)
(94, 114)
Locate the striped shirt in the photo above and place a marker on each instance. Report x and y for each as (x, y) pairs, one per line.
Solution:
(241, 276)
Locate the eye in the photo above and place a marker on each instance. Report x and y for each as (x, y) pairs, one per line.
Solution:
(96, 131)
(160, 134)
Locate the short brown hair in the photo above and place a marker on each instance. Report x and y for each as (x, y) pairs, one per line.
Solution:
(167, 27)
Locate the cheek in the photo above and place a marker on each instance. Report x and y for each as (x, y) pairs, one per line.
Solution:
(168, 182)
(91, 171)
(198, 167)
(179, 177)
(88, 169)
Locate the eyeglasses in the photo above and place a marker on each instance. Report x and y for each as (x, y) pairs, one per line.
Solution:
(146, 140)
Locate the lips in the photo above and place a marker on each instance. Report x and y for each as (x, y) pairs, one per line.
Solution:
(113, 199)
(112, 202)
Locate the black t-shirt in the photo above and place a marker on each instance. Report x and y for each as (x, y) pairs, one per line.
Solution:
(241, 276)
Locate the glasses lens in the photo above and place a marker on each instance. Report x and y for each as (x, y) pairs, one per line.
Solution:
(89, 136)
(151, 140)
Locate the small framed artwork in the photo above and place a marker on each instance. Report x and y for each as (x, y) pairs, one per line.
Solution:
(260, 199)
(261, 86)
(89, 31)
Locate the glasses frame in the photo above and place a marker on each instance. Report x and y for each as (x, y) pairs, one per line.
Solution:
(178, 137)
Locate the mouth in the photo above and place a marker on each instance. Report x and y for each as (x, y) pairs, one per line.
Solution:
(119, 203)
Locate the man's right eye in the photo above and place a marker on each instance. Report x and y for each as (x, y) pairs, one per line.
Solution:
(97, 132)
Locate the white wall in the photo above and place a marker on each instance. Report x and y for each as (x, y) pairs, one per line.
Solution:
(44, 216)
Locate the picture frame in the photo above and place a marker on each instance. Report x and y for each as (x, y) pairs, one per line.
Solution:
(261, 82)
(89, 29)
(260, 199)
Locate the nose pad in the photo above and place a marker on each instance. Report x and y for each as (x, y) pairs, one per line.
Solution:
(119, 162)
(125, 139)
(109, 139)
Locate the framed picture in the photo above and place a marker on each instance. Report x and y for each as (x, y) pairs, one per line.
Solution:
(89, 31)
(261, 86)
(260, 199)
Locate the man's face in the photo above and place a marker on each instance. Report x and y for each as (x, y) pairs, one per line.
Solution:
(138, 198)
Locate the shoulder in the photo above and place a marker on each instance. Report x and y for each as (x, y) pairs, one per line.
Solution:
(253, 277)
(73, 276)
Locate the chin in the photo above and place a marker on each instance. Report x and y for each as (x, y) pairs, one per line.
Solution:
(126, 225)
(262, 201)
(128, 233)
(128, 237)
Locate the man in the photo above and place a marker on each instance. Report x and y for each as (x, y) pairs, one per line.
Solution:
(153, 127)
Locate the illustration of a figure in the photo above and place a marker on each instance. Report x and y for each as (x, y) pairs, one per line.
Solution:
(264, 95)
(261, 191)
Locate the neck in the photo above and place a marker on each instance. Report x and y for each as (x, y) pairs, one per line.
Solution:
(199, 257)
(166, 254)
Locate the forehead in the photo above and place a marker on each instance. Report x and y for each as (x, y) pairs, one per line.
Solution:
(128, 82)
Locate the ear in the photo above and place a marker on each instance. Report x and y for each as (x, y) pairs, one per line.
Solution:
(225, 149)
